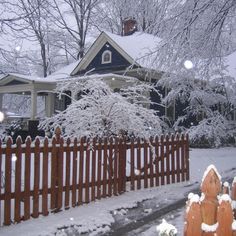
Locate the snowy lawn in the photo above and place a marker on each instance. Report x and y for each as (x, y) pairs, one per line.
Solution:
(97, 217)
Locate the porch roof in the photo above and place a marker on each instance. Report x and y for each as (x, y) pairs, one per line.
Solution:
(18, 83)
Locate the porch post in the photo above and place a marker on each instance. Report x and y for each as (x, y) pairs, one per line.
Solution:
(33, 105)
(49, 104)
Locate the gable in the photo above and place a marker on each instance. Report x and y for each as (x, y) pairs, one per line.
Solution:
(92, 53)
(11, 79)
(118, 62)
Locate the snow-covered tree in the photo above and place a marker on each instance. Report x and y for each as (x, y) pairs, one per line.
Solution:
(112, 14)
(74, 18)
(101, 112)
(204, 33)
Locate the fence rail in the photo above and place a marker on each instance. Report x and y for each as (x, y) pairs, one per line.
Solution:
(41, 177)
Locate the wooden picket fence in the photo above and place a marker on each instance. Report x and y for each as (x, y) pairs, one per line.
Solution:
(41, 177)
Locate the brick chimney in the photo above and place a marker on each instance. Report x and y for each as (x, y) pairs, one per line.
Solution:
(129, 26)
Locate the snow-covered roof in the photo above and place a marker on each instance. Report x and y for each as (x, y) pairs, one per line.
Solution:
(26, 78)
(137, 45)
(64, 72)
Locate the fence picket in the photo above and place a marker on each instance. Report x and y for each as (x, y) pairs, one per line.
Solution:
(67, 177)
(173, 158)
(81, 170)
(8, 174)
(75, 162)
(157, 157)
(53, 174)
(124, 149)
(104, 190)
(87, 173)
(17, 217)
(36, 179)
(177, 157)
(151, 157)
(167, 160)
(187, 156)
(99, 172)
(122, 166)
(110, 167)
(93, 169)
(45, 178)
(60, 158)
(162, 161)
(132, 173)
(27, 179)
(145, 164)
(115, 185)
(182, 158)
(138, 172)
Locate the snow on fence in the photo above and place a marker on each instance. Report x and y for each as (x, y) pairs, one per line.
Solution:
(213, 214)
(42, 177)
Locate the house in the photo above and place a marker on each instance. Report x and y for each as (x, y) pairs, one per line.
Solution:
(112, 57)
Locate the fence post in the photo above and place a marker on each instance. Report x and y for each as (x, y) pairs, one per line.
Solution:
(8, 184)
(122, 166)
(58, 139)
(187, 156)
(55, 170)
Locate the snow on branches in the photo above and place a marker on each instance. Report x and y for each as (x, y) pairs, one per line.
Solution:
(102, 112)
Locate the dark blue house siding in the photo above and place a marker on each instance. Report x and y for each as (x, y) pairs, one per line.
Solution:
(118, 62)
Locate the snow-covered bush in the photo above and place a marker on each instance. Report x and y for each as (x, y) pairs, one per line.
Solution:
(101, 112)
(210, 132)
(166, 229)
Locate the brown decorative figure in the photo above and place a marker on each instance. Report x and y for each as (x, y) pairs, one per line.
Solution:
(211, 187)
(233, 196)
(226, 188)
(224, 216)
(193, 218)
(212, 215)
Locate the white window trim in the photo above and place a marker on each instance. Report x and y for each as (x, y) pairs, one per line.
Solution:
(103, 55)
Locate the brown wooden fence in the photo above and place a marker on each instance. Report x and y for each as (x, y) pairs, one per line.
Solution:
(41, 177)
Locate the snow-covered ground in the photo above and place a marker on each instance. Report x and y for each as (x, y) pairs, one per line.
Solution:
(96, 218)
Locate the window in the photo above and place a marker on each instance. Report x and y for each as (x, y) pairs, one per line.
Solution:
(106, 57)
